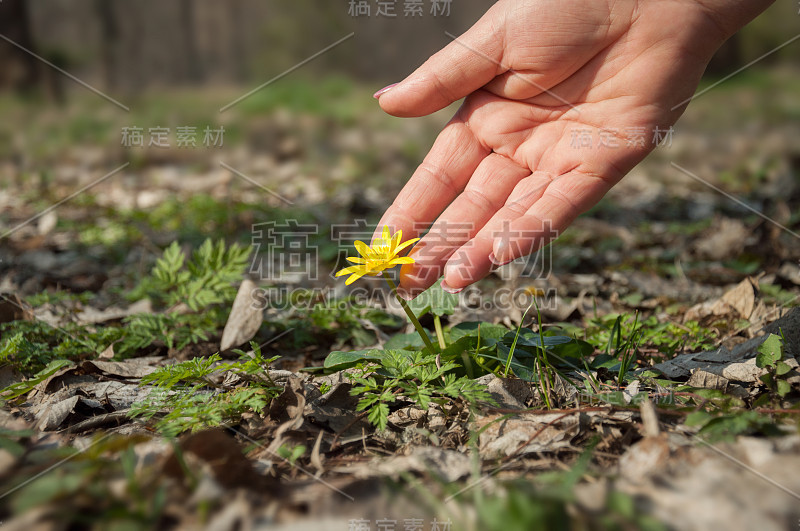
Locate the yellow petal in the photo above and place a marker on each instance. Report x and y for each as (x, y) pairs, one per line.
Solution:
(372, 267)
(351, 269)
(362, 248)
(387, 236)
(401, 260)
(356, 260)
(353, 278)
(406, 244)
(395, 242)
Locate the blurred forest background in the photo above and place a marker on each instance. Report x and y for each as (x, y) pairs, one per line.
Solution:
(714, 210)
(315, 137)
(124, 47)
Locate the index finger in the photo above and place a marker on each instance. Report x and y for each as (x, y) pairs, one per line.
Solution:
(443, 174)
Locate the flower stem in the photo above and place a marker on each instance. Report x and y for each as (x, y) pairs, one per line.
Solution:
(437, 323)
(413, 318)
(545, 367)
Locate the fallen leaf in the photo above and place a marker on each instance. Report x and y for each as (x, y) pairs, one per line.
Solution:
(446, 465)
(245, 318)
(52, 416)
(725, 239)
(644, 458)
(224, 455)
(93, 316)
(736, 303)
(707, 380)
(47, 223)
(543, 433)
(135, 368)
(13, 308)
(507, 392)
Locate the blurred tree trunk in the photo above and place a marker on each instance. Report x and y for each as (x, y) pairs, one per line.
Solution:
(728, 58)
(239, 50)
(109, 37)
(20, 70)
(133, 75)
(188, 22)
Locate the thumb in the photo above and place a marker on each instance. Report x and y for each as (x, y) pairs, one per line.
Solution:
(460, 68)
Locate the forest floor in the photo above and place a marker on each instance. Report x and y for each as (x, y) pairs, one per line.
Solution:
(176, 353)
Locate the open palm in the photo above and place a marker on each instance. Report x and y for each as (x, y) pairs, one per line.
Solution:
(562, 100)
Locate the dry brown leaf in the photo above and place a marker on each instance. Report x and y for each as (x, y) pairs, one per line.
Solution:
(542, 433)
(725, 239)
(223, 454)
(644, 458)
(244, 320)
(708, 380)
(13, 308)
(507, 392)
(94, 316)
(134, 368)
(736, 303)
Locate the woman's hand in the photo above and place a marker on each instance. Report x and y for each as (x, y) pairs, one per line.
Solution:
(562, 99)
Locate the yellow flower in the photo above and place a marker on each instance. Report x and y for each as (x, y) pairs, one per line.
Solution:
(534, 291)
(382, 255)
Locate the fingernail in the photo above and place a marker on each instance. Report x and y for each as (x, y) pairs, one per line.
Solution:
(448, 289)
(493, 260)
(500, 249)
(403, 294)
(384, 90)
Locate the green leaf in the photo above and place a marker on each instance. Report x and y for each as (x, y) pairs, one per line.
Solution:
(406, 341)
(562, 351)
(529, 338)
(21, 388)
(570, 354)
(615, 338)
(782, 368)
(726, 427)
(769, 352)
(9, 443)
(697, 418)
(39, 493)
(522, 362)
(455, 349)
(434, 300)
(783, 387)
(339, 360)
(208, 278)
(605, 361)
(490, 333)
(717, 397)
(379, 416)
(384, 320)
